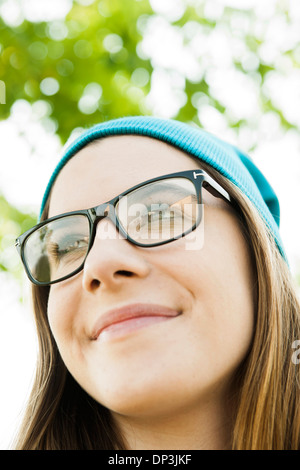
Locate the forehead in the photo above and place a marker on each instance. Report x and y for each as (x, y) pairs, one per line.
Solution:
(109, 166)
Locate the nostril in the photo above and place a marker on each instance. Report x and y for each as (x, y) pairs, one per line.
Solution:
(95, 283)
(125, 273)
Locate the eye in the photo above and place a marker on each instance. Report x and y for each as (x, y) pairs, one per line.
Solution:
(67, 247)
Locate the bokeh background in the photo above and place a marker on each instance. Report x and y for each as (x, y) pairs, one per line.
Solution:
(231, 67)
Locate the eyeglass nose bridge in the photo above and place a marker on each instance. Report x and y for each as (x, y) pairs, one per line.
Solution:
(104, 210)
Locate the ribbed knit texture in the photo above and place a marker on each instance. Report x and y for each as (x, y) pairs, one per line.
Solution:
(225, 158)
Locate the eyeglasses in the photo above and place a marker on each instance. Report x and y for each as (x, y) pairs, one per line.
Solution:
(149, 214)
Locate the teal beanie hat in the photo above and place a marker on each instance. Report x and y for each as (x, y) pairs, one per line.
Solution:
(225, 158)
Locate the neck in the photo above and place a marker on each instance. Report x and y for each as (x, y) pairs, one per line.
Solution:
(207, 428)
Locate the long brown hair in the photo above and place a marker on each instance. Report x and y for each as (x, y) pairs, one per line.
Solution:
(61, 415)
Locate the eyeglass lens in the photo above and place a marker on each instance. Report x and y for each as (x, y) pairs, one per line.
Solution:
(57, 248)
(158, 211)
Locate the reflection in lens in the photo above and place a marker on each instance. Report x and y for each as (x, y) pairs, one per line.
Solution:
(58, 248)
(159, 211)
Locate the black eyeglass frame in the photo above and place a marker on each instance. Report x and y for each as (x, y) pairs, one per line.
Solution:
(198, 177)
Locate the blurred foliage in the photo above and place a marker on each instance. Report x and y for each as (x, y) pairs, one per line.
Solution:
(94, 65)
(88, 48)
(12, 223)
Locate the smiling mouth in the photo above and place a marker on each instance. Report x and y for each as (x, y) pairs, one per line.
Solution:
(131, 318)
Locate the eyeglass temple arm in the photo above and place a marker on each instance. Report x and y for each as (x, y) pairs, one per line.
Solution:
(215, 189)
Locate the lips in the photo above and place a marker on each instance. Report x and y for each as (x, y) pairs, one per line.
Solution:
(119, 322)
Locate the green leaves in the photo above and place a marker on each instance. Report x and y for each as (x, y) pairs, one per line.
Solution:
(57, 62)
(12, 223)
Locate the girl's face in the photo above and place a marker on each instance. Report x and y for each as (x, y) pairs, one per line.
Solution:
(179, 358)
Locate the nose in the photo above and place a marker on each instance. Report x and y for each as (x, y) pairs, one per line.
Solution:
(112, 260)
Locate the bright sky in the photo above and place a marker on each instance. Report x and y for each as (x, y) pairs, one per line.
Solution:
(29, 145)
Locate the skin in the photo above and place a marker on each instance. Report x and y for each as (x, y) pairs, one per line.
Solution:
(168, 385)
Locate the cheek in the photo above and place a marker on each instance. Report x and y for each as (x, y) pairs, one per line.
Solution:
(220, 271)
(220, 280)
(58, 311)
(230, 286)
(63, 318)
